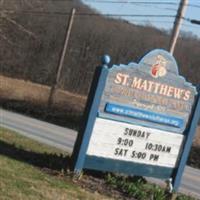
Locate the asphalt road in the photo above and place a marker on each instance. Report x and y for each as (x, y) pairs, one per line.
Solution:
(64, 138)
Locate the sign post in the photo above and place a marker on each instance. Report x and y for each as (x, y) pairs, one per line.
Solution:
(140, 119)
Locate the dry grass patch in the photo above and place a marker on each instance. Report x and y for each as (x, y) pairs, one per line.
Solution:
(15, 89)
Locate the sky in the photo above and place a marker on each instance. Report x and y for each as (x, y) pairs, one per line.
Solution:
(127, 7)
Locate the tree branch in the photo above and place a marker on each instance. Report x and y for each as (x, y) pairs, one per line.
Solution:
(20, 27)
(5, 38)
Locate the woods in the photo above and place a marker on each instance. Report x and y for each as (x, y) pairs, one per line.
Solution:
(32, 35)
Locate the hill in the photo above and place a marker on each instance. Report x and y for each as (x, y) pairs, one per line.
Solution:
(32, 34)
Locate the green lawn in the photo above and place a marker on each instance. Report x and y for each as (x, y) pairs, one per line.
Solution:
(33, 171)
(29, 170)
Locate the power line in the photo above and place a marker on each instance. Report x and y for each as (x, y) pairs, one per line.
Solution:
(128, 2)
(188, 19)
(141, 2)
(160, 21)
(28, 12)
(50, 0)
(156, 7)
(153, 21)
(194, 21)
(81, 14)
(132, 2)
(168, 22)
(189, 25)
(18, 12)
(194, 5)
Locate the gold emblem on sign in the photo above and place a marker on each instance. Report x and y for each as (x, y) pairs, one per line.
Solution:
(159, 68)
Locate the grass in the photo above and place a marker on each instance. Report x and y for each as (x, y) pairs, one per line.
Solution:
(27, 172)
(140, 189)
(21, 157)
(30, 170)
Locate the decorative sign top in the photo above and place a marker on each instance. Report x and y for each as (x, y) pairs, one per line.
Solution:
(160, 62)
(151, 93)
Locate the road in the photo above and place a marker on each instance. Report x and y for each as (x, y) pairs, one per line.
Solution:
(64, 138)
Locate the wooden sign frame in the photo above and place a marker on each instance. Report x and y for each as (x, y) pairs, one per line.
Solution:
(91, 112)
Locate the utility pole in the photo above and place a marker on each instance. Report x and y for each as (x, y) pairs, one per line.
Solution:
(62, 57)
(177, 24)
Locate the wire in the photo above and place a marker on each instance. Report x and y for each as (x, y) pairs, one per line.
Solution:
(79, 14)
(153, 21)
(92, 14)
(141, 2)
(156, 7)
(189, 25)
(50, 0)
(126, 1)
(132, 2)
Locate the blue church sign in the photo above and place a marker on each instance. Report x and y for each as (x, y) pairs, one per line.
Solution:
(140, 119)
